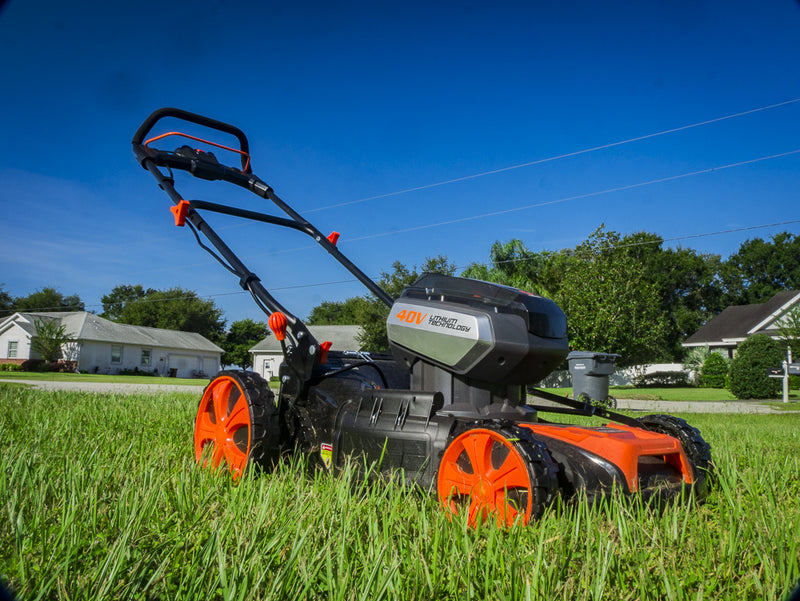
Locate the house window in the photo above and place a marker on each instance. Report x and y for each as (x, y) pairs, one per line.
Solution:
(145, 356)
(116, 353)
(12, 349)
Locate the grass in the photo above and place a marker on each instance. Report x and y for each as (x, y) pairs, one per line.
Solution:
(687, 393)
(101, 499)
(100, 378)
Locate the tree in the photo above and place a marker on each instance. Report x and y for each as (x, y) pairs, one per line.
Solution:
(172, 309)
(48, 299)
(748, 371)
(610, 304)
(335, 313)
(512, 264)
(6, 302)
(694, 360)
(372, 313)
(243, 335)
(51, 336)
(686, 283)
(760, 269)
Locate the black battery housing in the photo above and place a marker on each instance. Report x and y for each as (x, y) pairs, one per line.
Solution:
(487, 333)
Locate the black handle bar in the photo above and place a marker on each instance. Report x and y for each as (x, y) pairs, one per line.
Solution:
(156, 116)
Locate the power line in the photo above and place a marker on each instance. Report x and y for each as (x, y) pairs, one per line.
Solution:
(631, 244)
(556, 157)
(658, 240)
(578, 196)
(626, 187)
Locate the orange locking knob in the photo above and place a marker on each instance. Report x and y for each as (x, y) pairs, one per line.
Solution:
(324, 347)
(277, 323)
(180, 211)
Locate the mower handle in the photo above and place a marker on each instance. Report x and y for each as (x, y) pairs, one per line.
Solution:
(157, 115)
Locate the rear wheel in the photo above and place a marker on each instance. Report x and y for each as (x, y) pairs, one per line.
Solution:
(237, 422)
(502, 473)
(697, 450)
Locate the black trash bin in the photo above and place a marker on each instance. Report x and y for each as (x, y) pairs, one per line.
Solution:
(590, 372)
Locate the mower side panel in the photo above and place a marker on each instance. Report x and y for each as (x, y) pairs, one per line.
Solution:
(396, 430)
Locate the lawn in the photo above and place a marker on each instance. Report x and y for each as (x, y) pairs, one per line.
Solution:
(688, 393)
(101, 499)
(100, 378)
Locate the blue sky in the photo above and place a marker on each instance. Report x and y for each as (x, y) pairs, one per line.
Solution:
(350, 101)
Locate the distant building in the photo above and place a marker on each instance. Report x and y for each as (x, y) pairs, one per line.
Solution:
(724, 332)
(267, 354)
(106, 347)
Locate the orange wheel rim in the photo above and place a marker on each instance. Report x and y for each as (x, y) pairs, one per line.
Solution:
(483, 473)
(223, 422)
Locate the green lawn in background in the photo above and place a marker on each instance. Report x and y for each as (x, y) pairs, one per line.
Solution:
(101, 499)
(688, 393)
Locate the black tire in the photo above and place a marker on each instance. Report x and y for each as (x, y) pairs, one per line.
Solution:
(697, 450)
(249, 434)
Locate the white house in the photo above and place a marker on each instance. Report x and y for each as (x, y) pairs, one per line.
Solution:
(103, 346)
(724, 332)
(267, 354)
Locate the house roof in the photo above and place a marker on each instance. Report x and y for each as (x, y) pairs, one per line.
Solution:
(344, 338)
(83, 325)
(738, 322)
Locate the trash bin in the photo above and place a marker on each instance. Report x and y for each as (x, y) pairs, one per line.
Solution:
(590, 371)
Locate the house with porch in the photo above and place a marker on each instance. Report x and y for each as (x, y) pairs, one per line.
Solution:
(724, 332)
(267, 354)
(102, 346)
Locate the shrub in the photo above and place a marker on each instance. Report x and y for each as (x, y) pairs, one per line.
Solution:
(136, 372)
(694, 362)
(748, 372)
(64, 366)
(35, 365)
(662, 379)
(713, 372)
(10, 367)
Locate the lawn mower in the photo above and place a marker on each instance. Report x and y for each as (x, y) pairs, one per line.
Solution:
(446, 408)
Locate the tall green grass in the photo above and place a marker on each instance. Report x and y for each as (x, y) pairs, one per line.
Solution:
(101, 499)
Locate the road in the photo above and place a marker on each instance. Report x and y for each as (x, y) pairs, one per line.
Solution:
(634, 405)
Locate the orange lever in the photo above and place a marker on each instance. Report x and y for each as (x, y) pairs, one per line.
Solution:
(277, 323)
(180, 211)
(324, 347)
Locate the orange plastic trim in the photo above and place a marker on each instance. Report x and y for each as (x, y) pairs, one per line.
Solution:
(180, 211)
(333, 238)
(621, 445)
(210, 143)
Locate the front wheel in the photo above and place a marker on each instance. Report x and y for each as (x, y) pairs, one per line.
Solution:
(697, 450)
(237, 422)
(501, 473)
